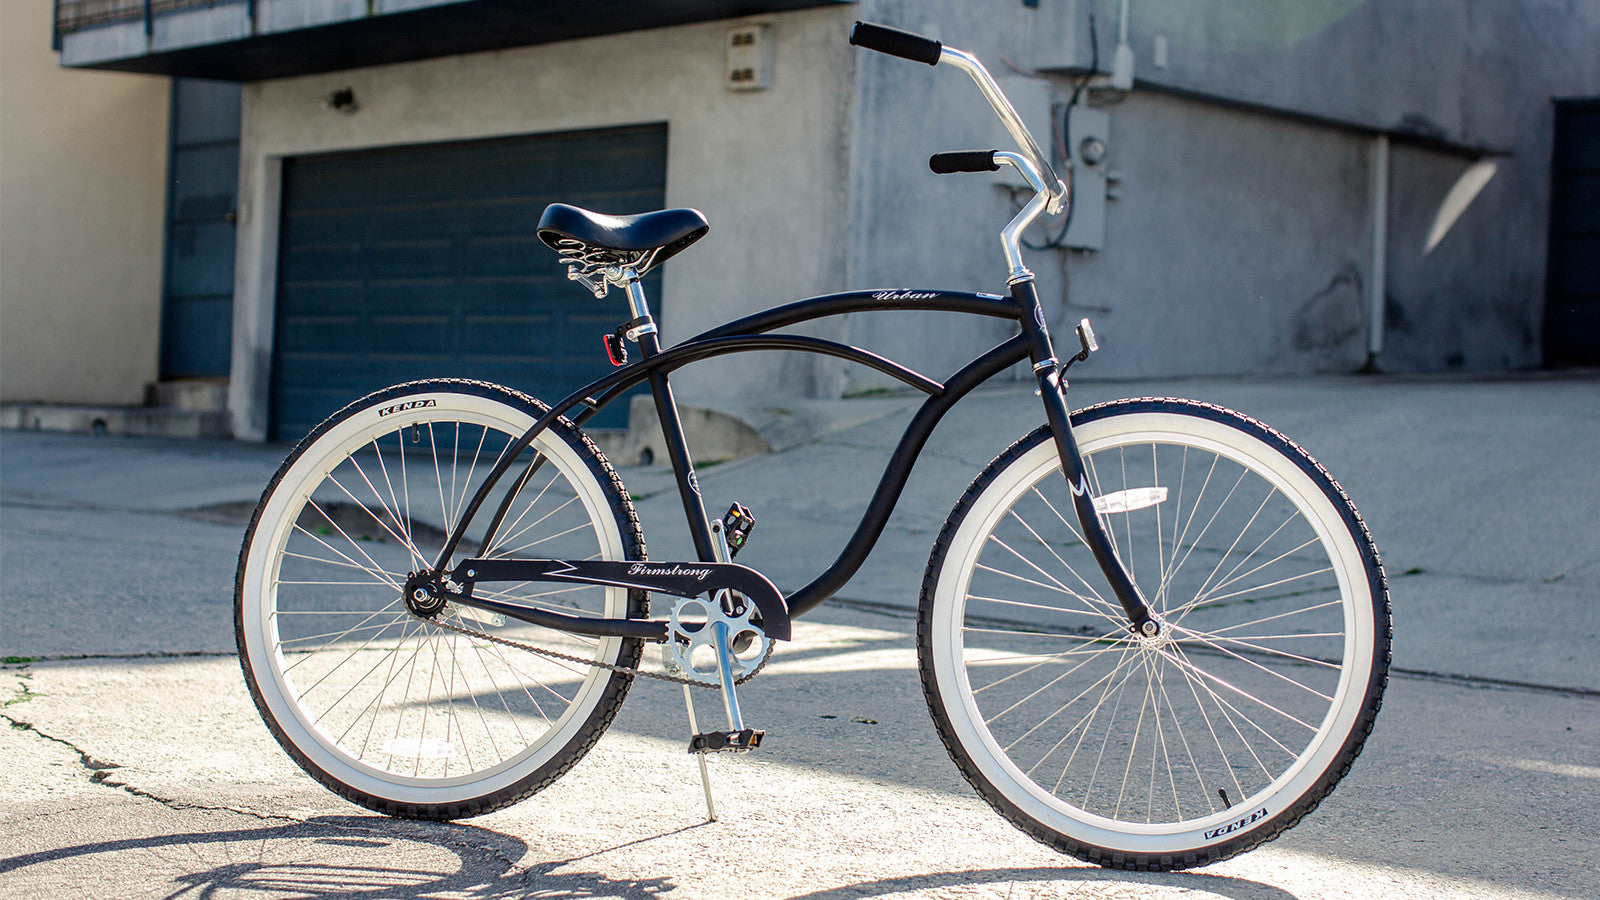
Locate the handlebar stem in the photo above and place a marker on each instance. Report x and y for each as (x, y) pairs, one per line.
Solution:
(1011, 235)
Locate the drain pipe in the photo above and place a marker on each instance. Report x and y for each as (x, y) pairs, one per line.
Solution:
(1377, 280)
(1122, 59)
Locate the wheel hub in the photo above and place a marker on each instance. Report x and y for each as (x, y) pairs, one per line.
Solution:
(1153, 634)
(421, 598)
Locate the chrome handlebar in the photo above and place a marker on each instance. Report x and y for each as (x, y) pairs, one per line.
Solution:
(1051, 194)
(1045, 181)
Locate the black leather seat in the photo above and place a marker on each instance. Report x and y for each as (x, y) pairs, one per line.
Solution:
(666, 231)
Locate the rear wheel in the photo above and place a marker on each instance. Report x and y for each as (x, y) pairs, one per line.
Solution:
(403, 713)
(1200, 743)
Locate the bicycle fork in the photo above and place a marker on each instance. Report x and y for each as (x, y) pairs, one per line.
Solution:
(1047, 369)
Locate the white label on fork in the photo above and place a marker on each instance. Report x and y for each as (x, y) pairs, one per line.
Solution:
(1129, 500)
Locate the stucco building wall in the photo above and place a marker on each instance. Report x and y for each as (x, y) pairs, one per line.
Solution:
(1240, 238)
(766, 167)
(82, 194)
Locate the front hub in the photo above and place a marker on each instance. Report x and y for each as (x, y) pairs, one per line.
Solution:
(1153, 633)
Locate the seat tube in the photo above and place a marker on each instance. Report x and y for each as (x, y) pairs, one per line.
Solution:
(1046, 369)
(694, 509)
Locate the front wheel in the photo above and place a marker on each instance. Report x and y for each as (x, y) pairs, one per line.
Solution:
(1212, 737)
(431, 714)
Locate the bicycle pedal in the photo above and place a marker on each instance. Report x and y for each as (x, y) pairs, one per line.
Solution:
(732, 741)
(736, 528)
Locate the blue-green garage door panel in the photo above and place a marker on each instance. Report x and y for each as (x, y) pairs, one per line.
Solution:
(422, 262)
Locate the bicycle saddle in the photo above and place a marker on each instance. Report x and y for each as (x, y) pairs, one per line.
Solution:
(650, 237)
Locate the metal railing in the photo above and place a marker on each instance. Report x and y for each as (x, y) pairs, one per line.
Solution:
(72, 15)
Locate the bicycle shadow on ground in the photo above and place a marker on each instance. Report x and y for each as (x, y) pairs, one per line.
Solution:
(1044, 882)
(327, 856)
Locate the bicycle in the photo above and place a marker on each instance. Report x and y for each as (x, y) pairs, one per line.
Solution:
(1154, 633)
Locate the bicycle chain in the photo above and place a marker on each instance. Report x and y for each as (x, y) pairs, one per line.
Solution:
(612, 667)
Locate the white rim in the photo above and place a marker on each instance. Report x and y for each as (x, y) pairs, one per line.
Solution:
(967, 720)
(276, 525)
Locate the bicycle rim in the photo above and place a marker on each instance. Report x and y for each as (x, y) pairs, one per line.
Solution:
(1221, 732)
(402, 713)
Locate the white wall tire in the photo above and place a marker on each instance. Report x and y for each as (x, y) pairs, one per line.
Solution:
(1181, 751)
(387, 708)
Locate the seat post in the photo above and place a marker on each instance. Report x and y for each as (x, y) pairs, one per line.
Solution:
(642, 323)
(643, 331)
(637, 304)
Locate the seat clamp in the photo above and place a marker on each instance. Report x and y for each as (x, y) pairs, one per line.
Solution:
(638, 328)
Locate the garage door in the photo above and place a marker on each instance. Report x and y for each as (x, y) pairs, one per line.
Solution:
(423, 261)
(1572, 307)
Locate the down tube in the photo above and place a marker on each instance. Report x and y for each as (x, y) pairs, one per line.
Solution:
(899, 469)
(612, 386)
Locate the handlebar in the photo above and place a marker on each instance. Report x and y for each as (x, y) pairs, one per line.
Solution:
(917, 48)
(953, 161)
(895, 42)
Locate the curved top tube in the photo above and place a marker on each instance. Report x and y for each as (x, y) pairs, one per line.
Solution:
(865, 301)
(747, 334)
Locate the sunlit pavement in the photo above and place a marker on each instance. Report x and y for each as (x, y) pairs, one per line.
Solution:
(135, 764)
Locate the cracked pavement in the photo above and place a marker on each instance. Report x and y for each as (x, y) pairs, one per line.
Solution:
(135, 764)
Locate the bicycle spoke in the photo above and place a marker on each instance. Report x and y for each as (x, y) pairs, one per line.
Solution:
(1194, 512)
(1051, 683)
(1250, 662)
(1284, 615)
(1039, 606)
(404, 540)
(1074, 531)
(341, 634)
(353, 685)
(1273, 651)
(376, 569)
(1108, 608)
(376, 703)
(1187, 751)
(505, 705)
(511, 532)
(393, 506)
(1134, 746)
(1212, 601)
(1223, 559)
(1039, 584)
(550, 537)
(1086, 721)
(1186, 664)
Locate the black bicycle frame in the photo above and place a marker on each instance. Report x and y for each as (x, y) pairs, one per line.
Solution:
(750, 334)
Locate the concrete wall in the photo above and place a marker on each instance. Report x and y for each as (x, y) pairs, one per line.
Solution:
(1478, 75)
(911, 228)
(1239, 244)
(1240, 240)
(767, 168)
(82, 193)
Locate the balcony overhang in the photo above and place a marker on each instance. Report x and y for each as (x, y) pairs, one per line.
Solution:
(249, 40)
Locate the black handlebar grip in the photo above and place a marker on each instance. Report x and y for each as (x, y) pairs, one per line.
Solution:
(895, 42)
(963, 161)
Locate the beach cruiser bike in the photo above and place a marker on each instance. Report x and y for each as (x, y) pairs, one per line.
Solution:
(1153, 633)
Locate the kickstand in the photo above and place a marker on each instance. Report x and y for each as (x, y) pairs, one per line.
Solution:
(705, 777)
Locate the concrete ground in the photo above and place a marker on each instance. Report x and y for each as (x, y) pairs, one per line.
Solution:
(135, 765)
